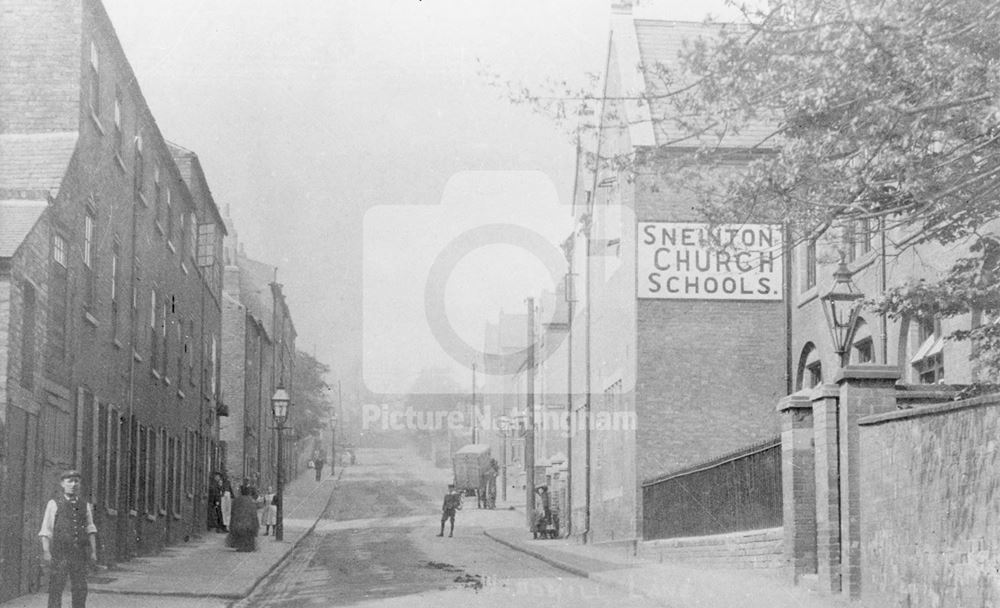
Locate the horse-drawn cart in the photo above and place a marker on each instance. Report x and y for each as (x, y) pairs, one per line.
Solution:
(473, 469)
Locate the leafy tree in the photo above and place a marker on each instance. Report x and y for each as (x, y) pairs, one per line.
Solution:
(311, 399)
(870, 110)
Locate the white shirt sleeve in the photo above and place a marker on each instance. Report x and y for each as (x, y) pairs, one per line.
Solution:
(91, 528)
(48, 519)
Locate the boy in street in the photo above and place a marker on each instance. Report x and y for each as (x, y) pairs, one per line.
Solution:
(452, 503)
(69, 541)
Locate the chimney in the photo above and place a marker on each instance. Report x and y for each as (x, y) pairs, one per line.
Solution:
(623, 7)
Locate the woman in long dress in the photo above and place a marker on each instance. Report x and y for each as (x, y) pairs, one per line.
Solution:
(226, 503)
(244, 527)
(270, 511)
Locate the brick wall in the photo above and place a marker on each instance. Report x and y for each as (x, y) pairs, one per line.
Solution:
(757, 549)
(40, 58)
(930, 525)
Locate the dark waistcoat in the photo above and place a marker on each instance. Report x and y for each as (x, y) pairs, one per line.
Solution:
(69, 532)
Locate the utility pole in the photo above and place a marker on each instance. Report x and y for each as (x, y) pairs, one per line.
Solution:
(529, 437)
(570, 295)
(472, 421)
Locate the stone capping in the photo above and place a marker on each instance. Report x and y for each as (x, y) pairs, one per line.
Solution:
(932, 410)
(887, 373)
(825, 391)
(726, 539)
(795, 401)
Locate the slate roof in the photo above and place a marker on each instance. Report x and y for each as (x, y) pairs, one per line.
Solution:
(661, 42)
(17, 217)
(35, 162)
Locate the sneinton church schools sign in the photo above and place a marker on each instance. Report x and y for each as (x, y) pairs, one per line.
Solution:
(691, 261)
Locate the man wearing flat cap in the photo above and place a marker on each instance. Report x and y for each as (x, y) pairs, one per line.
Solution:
(69, 541)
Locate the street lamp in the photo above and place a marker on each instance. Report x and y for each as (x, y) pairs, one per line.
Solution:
(279, 406)
(841, 305)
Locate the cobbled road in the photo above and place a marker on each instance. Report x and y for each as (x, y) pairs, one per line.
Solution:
(377, 545)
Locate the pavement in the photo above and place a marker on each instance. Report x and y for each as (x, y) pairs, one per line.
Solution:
(206, 569)
(673, 584)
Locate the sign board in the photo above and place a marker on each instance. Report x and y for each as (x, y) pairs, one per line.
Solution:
(690, 261)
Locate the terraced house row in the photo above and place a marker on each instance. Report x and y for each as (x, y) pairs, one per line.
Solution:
(111, 291)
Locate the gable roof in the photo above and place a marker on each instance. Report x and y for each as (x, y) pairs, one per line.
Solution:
(17, 218)
(35, 163)
(659, 44)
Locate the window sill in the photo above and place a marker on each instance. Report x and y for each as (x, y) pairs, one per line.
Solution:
(180, 394)
(808, 296)
(862, 262)
(120, 162)
(163, 512)
(111, 512)
(176, 515)
(155, 374)
(150, 517)
(136, 356)
(166, 380)
(159, 228)
(142, 199)
(132, 513)
(117, 343)
(184, 268)
(97, 123)
(171, 247)
(89, 318)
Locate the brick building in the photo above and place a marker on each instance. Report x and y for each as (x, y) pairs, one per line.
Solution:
(679, 369)
(259, 354)
(110, 270)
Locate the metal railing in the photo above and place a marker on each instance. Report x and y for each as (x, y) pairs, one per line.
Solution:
(736, 492)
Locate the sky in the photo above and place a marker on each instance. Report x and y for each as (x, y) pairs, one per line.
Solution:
(352, 141)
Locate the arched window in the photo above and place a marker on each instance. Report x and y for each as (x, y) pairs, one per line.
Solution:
(810, 372)
(863, 347)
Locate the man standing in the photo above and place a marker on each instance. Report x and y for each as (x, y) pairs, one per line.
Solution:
(318, 462)
(69, 541)
(452, 503)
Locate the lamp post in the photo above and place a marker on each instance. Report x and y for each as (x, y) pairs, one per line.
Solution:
(333, 443)
(279, 406)
(841, 305)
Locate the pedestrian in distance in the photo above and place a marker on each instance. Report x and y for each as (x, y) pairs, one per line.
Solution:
(270, 518)
(243, 524)
(318, 463)
(69, 541)
(452, 503)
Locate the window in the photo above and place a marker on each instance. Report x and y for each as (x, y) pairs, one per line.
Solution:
(170, 217)
(163, 335)
(193, 237)
(151, 471)
(181, 350)
(28, 311)
(157, 195)
(129, 436)
(115, 278)
(810, 261)
(154, 346)
(94, 88)
(863, 348)
(139, 174)
(810, 372)
(857, 238)
(89, 256)
(162, 456)
(118, 135)
(55, 344)
(928, 361)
